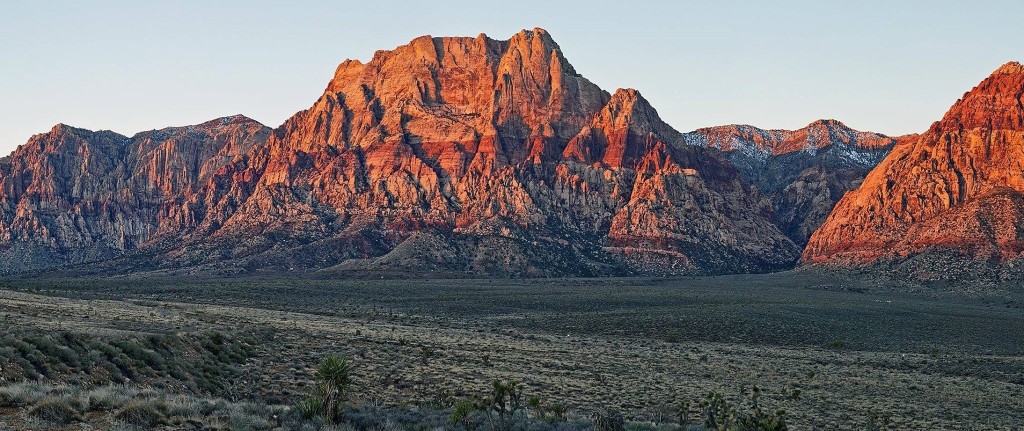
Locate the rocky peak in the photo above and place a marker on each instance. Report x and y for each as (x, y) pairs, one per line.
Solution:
(760, 143)
(803, 172)
(464, 149)
(487, 95)
(996, 103)
(943, 193)
(66, 141)
(174, 159)
(622, 132)
(1010, 68)
(627, 108)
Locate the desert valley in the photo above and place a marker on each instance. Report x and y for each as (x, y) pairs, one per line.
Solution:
(466, 233)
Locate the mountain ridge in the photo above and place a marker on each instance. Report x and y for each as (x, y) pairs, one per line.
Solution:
(453, 154)
(957, 195)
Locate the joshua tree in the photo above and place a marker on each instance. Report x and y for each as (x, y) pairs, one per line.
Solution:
(683, 411)
(722, 416)
(717, 412)
(506, 399)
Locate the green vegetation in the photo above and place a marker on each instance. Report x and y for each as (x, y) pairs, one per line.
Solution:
(55, 405)
(141, 414)
(333, 381)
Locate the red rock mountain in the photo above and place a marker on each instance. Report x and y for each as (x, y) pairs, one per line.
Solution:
(948, 201)
(803, 172)
(72, 195)
(453, 154)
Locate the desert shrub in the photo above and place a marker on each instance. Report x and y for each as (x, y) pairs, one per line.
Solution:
(643, 426)
(141, 413)
(240, 418)
(22, 394)
(57, 410)
(109, 398)
(719, 414)
(202, 362)
(609, 421)
(308, 407)
(185, 407)
(376, 418)
(141, 358)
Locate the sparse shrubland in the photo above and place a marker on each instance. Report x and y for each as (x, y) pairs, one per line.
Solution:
(503, 407)
(567, 355)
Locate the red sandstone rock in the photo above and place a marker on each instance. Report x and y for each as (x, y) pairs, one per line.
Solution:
(954, 191)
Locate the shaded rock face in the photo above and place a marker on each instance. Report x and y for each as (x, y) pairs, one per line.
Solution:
(73, 195)
(955, 191)
(456, 154)
(803, 172)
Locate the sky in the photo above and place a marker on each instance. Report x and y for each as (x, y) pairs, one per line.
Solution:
(887, 66)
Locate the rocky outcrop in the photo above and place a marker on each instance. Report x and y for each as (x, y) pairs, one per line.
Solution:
(955, 191)
(73, 195)
(804, 172)
(455, 137)
(456, 154)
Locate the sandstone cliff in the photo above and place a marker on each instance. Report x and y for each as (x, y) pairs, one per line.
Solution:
(457, 154)
(72, 195)
(953, 195)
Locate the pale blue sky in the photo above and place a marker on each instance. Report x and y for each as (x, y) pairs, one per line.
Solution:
(886, 66)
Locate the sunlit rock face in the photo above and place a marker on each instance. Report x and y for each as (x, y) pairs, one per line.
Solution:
(955, 192)
(446, 154)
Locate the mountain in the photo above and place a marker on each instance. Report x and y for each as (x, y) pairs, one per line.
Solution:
(73, 195)
(446, 154)
(803, 172)
(946, 204)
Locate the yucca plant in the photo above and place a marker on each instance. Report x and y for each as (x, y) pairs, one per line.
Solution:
(334, 378)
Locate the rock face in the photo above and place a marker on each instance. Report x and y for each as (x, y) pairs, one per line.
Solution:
(455, 154)
(73, 195)
(803, 172)
(953, 195)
